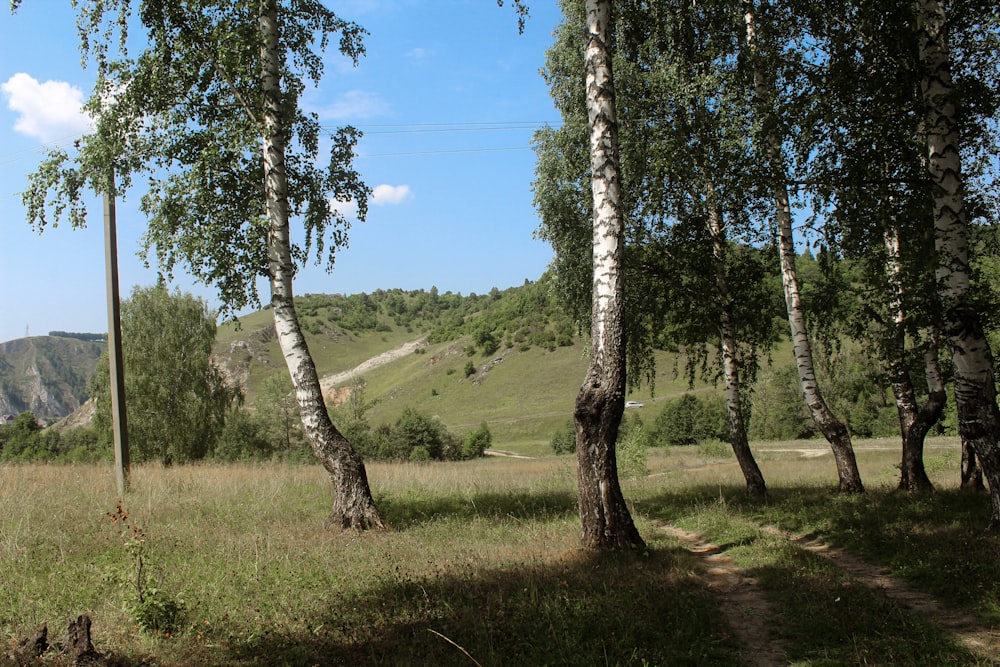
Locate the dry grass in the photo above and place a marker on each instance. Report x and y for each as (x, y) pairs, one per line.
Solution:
(484, 553)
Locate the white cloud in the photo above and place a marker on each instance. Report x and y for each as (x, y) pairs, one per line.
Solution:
(48, 111)
(382, 195)
(391, 195)
(348, 209)
(355, 105)
(418, 53)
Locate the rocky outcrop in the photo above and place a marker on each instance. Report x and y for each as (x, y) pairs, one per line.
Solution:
(47, 375)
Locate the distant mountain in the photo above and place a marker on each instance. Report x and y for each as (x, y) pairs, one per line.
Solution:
(47, 374)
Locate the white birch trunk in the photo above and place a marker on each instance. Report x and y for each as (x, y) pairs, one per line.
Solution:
(831, 427)
(914, 421)
(756, 487)
(353, 505)
(604, 516)
(975, 391)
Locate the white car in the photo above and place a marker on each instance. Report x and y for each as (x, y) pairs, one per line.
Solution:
(633, 404)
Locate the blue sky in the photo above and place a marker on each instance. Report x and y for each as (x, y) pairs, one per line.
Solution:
(448, 97)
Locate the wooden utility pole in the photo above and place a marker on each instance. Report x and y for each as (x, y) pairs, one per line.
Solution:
(119, 420)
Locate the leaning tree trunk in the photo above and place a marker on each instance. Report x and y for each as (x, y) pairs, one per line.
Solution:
(832, 428)
(604, 516)
(353, 506)
(975, 390)
(914, 422)
(756, 487)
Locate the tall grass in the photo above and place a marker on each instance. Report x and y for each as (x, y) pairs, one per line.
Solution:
(483, 562)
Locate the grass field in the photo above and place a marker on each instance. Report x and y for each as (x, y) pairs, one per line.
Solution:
(483, 566)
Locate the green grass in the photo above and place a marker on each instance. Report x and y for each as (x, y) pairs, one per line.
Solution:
(483, 561)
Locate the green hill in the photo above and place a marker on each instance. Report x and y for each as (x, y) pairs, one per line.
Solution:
(511, 358)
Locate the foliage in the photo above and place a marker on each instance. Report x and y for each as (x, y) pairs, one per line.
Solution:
(188, 113)
(417, 437)
(177, 399)
(564, 439)
(26, 440)
(477, 442)
(243, 438)
(689, 420)
(631, 448)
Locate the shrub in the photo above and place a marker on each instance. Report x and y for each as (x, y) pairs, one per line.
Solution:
(631, 448)
(477, 442)
(564, 440)
(689, 420)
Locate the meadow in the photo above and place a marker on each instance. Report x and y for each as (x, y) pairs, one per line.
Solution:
(483, 566)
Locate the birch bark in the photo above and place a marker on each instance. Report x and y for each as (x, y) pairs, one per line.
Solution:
(914, 421)
(975, 388)
(730, 366)
(832, 428)
(604, 516)
(353, 506)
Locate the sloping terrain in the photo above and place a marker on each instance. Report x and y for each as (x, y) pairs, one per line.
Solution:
(47, 375)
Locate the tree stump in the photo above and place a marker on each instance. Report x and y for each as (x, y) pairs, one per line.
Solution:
(30, 648)
(78, 644)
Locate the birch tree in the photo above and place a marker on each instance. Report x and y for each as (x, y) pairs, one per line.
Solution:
(600, 404)
(772, 153)
(209, 111)
(972, 359)
(670, 82)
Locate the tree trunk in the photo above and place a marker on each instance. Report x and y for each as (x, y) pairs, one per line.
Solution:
(756, 487)
(353, 506)
(975, 390)
(604, 516)
(972, 472)
(831, 427)
(913, 422)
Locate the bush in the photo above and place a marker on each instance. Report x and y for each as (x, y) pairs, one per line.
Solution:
(477, 442)
(564, 440)
(242, 439)
(689, 420)
(631, 448)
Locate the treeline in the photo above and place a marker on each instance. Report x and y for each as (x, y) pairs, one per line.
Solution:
(524, 316)
(89, 337)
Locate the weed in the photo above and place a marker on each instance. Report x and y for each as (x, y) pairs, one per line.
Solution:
(150, 606)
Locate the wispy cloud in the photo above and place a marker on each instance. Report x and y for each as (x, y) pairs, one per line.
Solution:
(418, 53)
(354, 105)
(48, 111)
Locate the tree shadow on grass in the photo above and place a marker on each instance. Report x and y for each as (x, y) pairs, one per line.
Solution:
(403, 512)
(581, 609)
(935, 541)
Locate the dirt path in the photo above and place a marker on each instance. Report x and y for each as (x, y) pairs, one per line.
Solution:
(977, 638)
(750, 615)
(328, 382)
(746, 609)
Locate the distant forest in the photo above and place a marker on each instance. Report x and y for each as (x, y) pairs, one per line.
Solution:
(89, 337)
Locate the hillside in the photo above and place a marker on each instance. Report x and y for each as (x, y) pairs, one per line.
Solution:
(509, 358)
(47, 375)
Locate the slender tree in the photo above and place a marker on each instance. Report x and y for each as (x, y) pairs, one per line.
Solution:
(972, 359)
(772, 142)
(210, 110)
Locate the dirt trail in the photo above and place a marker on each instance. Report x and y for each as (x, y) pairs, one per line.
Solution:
(328, 382)
(746, 609)
(977, 638)
(750, 614)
